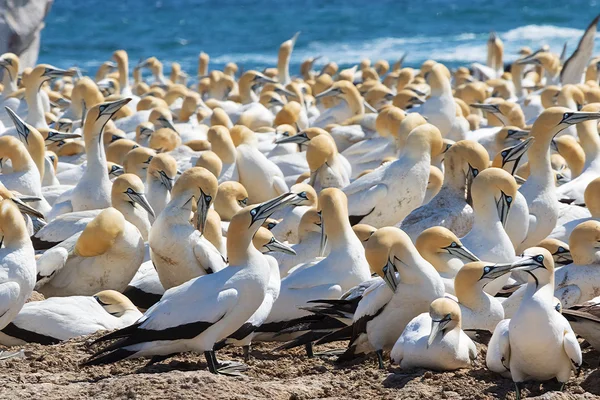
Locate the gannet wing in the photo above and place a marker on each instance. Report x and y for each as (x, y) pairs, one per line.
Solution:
(362, 203)
(572, 71)
(209, 258)
(52, 261)
(498, 354)
(9, 293)
(571, 346)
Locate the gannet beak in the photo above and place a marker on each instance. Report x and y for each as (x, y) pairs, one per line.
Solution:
(462, 252)
(146, 132)
(117, 170)
(369, 107)
(294, 38)
(281, 89)
(260, 78)
(503, 207)
(112, 107)
(332, 91)
(301, 199)
(166, 123)
(323, 242)
(576, 117)
(20, 126)
(416, 100)
(56, 136)
(165, 180)
(26, 209)
(517, 134)
(203, 205)
(140, 199)
(299, 138)
(4, 63)
(486, 107)
(528, 263)
(437, 326)
(553, 145)
(276, 245)
(564, 258)
(492, 272)
(516, 152)
(276, 102)
(58, 73)
(264, 210)
(389, 275)
(529, 59)
(111, 65)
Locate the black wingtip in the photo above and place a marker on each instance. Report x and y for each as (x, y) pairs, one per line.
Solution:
(108, 358)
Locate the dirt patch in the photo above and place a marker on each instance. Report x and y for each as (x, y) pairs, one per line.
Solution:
(53, 372)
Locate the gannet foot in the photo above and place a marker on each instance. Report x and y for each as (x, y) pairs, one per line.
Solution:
(309, 350)
(380, 358)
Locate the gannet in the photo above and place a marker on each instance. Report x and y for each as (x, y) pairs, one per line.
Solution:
(444, 250)
(408, 287)
(56, 319)
(572, 215)
(234, 294)
(287, 230)
(17, 262)
(137, 161)
(435, 340)
(9, 63)
(231, 198)
(387, 195)
(462, 163)
(440, 107)
(221, 144)
(585, 321)
(160, 176)
(539, 190)
(351, 104)
(561, 252)
(539, 342)
(105, 255)
(326, 169)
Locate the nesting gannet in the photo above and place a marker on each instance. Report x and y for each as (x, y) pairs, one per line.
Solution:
(137, 161)
(234, 294)
(105, 255)
(435, 340)
(539, 190)
(17, 262)
(326, 170)
(408, 287)
(585, 320)
(221, 144)
(444, 250)
(351, 104)
(127, 196)
(178, 249)
(160, 176)
(56, 319)
(580, 281)
(572, 215)
(387, 195)
(462, 163)
(539, 342)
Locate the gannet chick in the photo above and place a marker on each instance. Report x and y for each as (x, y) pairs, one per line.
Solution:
(234, 293)
(444, 250)
(577, 283)
(17, 262)
(462, 163)
(160, 176)
(387, 195)
(435, 340)
(539, 343)
(105, 255)
(178, 249)
(56, 319)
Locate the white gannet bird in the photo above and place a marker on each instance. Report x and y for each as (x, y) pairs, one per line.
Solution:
(105, 255)
(145, 288)
(322, 278)
(56, 319)
(127, 197)
(387, 195)
(444, 250)
(579, 282)
(435, 340)
(9, 63)
(93, 189)
(440, 108)
(17, 262)
(326, 169)
(449, 208)
(283, 59)
(540, 190)
(539, 343)
(573, 215)
(350, 104)
(222, 145)
(261, 177)
(408, 287)
(561, 252)
(493, 193)
(231, 198)
(287, 230)
(585, 321)
(234, 294)
(178, 249)
(161, 174)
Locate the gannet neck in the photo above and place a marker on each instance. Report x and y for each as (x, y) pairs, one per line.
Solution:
(17, 153)
(587, 132)
(35, 114)
(12, 226)
(9, 82)
(539, 161)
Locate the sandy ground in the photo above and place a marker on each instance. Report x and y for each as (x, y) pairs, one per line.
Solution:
(52, 372)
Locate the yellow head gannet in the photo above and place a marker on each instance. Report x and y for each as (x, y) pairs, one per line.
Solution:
(9, 63)
(137, 161)
(573, 215)
(351, 104)
(440, 107)
(561, 252)
(234, 294)
(222, 145)
(462, 163)
(287, 229)
(283, 59)
(231, 198)
(211, 161)
(105, 255)
(435, 340)
(17, 262)
(326, 169)
(56, 319)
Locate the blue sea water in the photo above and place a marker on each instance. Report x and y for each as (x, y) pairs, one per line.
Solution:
(86, 32)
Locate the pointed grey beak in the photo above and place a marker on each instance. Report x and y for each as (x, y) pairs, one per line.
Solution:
(332, 91)
(260, 78)
(554, 146)
(437, 326)
(389, 275)
(276, 102)
(146, 132)
(276, 245)
(140, 199)
(26, 209)
(492, 272)
(264, 210)
(280, 89)
(503, 207)
(301, 199)
(116, 170)
(56, 136)
(166, 123)
(529, 59)
(299, 138)
(576, 117)
(165, 180)
(515, 153)
(52, 72)
(462, 252)
(202, 206)
(517, 134)
(112, 107)
(369, 107)
(528, 263)
(486, 107)
(20, 125)
(323, 241)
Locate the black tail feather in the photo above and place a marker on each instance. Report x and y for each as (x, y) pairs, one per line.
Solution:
(337, 335)
(108, 358)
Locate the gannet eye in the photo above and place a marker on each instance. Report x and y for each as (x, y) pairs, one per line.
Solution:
(453, 244)
(303, 195)
(566, 116)
(509, 199)
(102, 108)
(272, 240)
(561, 249)
(208, 199)
(539, 258)
(486, 270)
(130, 191)
(253, 212)
(271, 225)
(504, 153)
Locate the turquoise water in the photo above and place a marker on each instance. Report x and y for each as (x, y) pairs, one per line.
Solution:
(84, 33)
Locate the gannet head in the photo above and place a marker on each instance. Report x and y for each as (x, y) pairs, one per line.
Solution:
(114, 170)
(333, 206)
(100, 234)
(591, 196)
(200, 185)
(286, 48)
(307, 66)
(364, 232)
(163, 168)
(439, 240)
(203, 60)
(220, 117)
(137, 161)
(570, 95)
(143, 131)
(310, 222)
(307, 196)
(98, 116)
(31, 137)
(426, 137)
(512, 154)
(231, 198)
(538, 263)
(289, 114)
(584, 243)
(438, 79)
(303, 137)
(320, 151)
(382, 67)
(561, 252)
(549, 61)
(379, 256)
(10, 63)
(121, 57)
(221, 143)
(339, 89)
(149, 102)
(129, 188)
(52, 136)
(161, 117)
(388, 121)
(406, 99)
(211, 161)
(471, 155)
(510, 133)
(445, 316)
(117, 150)
(164, 140)
(554, 119)
(408, 124)
(114, 303)
(549, 95)
(500, 185)
(13, 231)
(23, 207)
(572, 152)
(265, 242)
(331, 68)
(379, 96)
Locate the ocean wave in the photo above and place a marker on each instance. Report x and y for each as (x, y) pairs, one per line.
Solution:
(542, 32)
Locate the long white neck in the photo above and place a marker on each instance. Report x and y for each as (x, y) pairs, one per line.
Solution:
(35, 114)
(157, 194)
